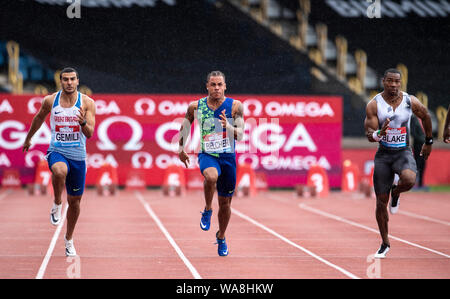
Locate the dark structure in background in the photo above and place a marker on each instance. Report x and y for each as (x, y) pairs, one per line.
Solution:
(170, 46)
(414, 33)
(159, 49)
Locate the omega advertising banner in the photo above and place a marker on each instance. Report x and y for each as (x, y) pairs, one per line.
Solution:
(138, 134)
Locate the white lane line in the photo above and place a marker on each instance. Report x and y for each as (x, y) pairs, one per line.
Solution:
(245, 217)
(168, 236)
(49, 253)
(410, 214)
(338, 218)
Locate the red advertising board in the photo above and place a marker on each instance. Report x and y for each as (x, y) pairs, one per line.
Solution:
(284, 135)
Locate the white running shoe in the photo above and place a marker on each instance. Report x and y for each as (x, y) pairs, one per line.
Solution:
(381, 253)
(394, 203)
(70, 249)
(55, 214)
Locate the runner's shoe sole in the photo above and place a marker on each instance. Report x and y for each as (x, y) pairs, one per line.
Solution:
(394, 203)
(205, 221)
(68, 253)
(222, 248)
(70, 249)
(55, 215)
(54, 221)
(381, 253)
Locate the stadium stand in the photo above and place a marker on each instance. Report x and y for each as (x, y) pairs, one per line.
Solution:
(165, 48)
(390, 33)
(29, 69)
(392, 38)
(405, 29)
(3, 55)
(169, 46)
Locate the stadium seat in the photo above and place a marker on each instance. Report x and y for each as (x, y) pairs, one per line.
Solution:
(24, 70)
(36, 73)
(3, 55)
(48, 74)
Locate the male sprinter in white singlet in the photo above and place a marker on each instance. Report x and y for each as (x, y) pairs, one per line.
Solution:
(388, 116)
(72, 119)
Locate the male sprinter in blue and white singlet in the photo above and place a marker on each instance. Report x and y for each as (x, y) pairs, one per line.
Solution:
(72, 120)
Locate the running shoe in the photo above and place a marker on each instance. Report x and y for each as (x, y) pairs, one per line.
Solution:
(222, 248)
(55, 214)
(381, 253)
(70, 249)
(395, 201)
(205, 222)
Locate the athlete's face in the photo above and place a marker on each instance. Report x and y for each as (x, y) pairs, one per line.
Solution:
(216, 87)
(392, 83)
(69, 82)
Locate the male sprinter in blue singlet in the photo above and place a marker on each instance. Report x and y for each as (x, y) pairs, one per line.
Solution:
(72, 119)
(388, 116)
(221, 122)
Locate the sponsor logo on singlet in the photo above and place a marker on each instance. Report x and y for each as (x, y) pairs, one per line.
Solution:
(217, 142)
(395, 137)
(67, 131)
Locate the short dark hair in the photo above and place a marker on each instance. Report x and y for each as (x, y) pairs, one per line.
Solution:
(68, 70)
(392, 71)
(215, 74)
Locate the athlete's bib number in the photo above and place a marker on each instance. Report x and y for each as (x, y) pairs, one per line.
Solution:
(67, 136)
(395, 137)
(217, 143)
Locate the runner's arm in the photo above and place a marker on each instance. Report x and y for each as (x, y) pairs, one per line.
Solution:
(422, 112)
(87, 117)
(38, 120)
(371, 123)
(371, 120)
(446, 133)
(185, 130)
(238, 121)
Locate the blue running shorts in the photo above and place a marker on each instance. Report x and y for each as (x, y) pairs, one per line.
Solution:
(76, 172)
(226, 168)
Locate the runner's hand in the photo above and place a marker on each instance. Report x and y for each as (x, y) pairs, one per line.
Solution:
(81, 116)
(223, 119)
(184, 158)
(26, 145)
(385, 127)
(446, 135)
(426, 151)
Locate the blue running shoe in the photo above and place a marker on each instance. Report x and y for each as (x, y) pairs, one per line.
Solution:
(222, 249)
(205, 222)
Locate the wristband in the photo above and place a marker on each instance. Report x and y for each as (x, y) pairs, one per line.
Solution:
(375, 135)
(83, 123)
(428, 140)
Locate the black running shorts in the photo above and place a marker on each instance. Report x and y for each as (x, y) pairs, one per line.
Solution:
(389, 162)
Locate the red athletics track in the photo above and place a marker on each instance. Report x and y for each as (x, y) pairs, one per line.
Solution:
(273, 235)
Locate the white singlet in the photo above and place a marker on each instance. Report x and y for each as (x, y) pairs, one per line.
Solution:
(67, 136)
(397, 136)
